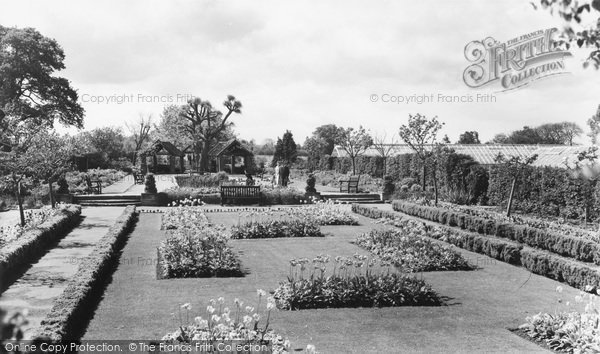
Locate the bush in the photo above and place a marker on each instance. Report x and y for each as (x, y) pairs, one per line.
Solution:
(276, 229)
(310, 184)
(349, 286)
(74, 307)
(407, 250)
(207, 195)
(282, 196)
(63, 186)
(150, 184)
(416, 188)
(404, 188)
(388, 185)
(202, 181)
(570, 246)
(407, 181)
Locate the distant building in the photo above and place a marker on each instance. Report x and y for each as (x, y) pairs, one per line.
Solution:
(485, 154)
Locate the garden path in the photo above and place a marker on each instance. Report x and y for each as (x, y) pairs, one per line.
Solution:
(9, 218)
(483, 303)
(163, 182)
(45, 280)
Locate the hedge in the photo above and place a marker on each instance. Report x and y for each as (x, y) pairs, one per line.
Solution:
(71, 310)
(575, 274)
(569, 246)
(495, 248)
(34, 243)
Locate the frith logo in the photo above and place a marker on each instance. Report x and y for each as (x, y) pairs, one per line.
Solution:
(516, 63)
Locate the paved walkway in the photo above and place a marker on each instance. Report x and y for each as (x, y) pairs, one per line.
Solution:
(47, 278)
(9, 218)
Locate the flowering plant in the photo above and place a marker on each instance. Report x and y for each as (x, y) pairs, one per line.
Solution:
(33, 218)
(568, 331)
(276, 228)
(221, 324)
(406, 249)
(348, 285)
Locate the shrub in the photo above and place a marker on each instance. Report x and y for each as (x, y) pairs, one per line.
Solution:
(407, 181)
(63, 186)
(150, 184)
(350, 286)
(74, 307)
(310, 184)
(404, 188)
(570, 246)
(416, 188)
(388, 185)
(323, 213)
(276, 229)
(242, 325)
(567, 331)
(407, 250)
(201, 181)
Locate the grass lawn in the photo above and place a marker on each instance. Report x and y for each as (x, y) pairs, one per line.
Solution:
(483, 302)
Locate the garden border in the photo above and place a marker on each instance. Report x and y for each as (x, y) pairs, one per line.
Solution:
(563, 245)
(71, 310)
(34, 243)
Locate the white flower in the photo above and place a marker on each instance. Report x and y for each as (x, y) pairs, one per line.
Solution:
(186, 306)
(559, 289)
(221, 300)
(210, 309)
(310, 349)
(261, 292)
(247, 320)
(256, 317)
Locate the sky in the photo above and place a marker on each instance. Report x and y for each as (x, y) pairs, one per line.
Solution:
(298, 65)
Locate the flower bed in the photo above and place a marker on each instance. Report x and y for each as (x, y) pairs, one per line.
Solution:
(33, 219)
(349, 286)
(569, 246)
(568, 331)
(32, 242)
(325, 213)
(276, 229)
(71, 310)
(407, 250)
(186, 196)
(200, 181)
(243, 325)
(505, 251)
(194, 248)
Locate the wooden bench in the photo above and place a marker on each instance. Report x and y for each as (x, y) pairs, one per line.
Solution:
(94, 187)
(238, 193)
(350, 184)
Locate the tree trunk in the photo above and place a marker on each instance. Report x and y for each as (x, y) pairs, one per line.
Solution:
(52, 201)
(510, 198)
(204, 158)
(435, 186)
(384, 166)
(424, 176)
(353, 166)
(20, 202)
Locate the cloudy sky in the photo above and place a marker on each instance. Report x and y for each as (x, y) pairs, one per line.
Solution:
(299, 65)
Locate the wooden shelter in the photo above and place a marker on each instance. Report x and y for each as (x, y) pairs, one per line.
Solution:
(230, 156)
(161, 157)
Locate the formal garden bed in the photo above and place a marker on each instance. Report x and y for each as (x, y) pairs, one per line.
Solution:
(193, 247)
(355, 281)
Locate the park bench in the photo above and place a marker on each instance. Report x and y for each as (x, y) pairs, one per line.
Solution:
(94, 187)
(350, 184)
(239, 193)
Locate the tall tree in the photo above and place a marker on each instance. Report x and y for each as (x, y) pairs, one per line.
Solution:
(594, 124)
(354, 142)
(140, 133)
(321, 143)
(385, 147)
(421, 135)
(206, 125)
(172, 127)
(585, 34)
(286, 150)
(32, 97)
(469, 137)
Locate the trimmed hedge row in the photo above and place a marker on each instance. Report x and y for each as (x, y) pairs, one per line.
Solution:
(582, 276)
(498, 249)
(34, 243)
(70, 312)
(569, 246)
(577, 275)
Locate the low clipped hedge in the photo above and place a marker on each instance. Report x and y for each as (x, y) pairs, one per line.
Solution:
(579, 275)
(495, 248)
(35, 242)
(569, 246)
(554, 267)
(71, 309)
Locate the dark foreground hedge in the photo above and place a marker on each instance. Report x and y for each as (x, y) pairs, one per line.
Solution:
(492, 247)
(569, 246)
(577, 274)
(70, 312)
(34, 243)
